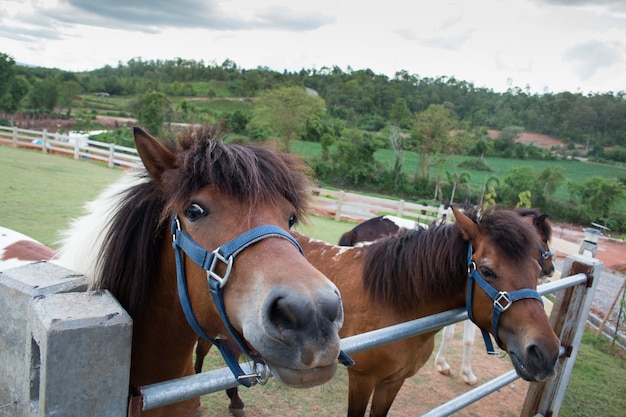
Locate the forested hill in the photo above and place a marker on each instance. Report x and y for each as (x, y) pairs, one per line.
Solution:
(361, 97)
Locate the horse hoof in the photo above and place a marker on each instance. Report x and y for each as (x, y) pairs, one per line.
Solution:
(470, 380)
(443, 371)
(237, 412)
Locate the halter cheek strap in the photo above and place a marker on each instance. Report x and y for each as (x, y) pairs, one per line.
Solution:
(502, 300)
(545, 254)
(209, 261)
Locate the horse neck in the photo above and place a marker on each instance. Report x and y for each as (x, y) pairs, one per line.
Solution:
(162, 340)
(419, 271)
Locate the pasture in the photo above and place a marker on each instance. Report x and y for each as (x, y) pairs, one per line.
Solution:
(41, 193)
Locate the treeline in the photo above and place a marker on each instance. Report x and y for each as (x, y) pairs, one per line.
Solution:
(361, 98)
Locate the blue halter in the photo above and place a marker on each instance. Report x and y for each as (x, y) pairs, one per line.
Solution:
(502, 300)
(545, 254)
(209, 261)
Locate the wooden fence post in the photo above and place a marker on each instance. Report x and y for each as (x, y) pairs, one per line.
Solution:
(400, 208)
(568, 319)
(76, 147)
(111, 155)
(339, 205)
(15, 136)
(44, 141)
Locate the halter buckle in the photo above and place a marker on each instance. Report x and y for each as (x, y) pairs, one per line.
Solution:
(471, 267)
(217, 257)
(502, 296)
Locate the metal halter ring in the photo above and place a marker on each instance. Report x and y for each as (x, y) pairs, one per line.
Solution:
(261, 375)
(502, 295)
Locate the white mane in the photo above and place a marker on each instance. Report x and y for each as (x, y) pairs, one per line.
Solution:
(81, 243)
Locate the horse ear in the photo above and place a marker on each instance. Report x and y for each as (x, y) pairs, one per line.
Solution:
(541, 219)
(156, 157)
(469, 228)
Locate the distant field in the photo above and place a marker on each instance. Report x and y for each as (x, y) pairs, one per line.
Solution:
(575, 171)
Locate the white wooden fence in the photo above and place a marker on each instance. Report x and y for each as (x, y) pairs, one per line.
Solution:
(64, 144)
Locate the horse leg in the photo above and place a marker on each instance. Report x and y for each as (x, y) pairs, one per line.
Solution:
(440, 360)
(469, 333)
(359, 392)
(202, 349)
(384, 394)
(236, 406)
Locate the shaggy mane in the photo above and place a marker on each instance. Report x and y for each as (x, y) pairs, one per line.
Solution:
(408, 269)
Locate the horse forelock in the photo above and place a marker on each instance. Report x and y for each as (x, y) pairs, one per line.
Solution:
(251, 173)
(407, 269)
(506, 230)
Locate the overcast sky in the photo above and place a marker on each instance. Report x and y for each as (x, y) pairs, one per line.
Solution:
(548, 45)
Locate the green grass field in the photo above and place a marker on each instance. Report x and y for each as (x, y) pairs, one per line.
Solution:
(41, 193)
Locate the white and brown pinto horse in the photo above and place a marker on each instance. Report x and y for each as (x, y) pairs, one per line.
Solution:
(203, 228)
(17, 249)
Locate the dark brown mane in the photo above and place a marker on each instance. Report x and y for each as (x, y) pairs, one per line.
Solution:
(407, 269)
(250, 173)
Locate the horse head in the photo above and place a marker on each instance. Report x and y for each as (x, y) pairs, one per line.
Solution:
(502, 298)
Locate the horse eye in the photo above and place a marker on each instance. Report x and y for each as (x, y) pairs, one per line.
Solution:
(194, 212)
(487, 273)
(292, 220)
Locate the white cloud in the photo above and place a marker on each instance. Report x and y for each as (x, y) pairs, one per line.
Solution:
(553, 44)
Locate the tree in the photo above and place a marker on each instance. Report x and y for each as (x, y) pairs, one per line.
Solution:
(597, 196)
(354, 159)
(455, 179)
(68, 91)
(400, 114)
(152, 110)
(286, 111)
(519, 180)
(551, 178)
(430, 137)
(44, 95)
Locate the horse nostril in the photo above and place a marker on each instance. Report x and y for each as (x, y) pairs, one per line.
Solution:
(286, 313)
(539, 360)
(293, 311)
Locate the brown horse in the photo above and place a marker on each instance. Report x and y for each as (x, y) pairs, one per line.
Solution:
(227, 208)
(378, 227)
(490, 262)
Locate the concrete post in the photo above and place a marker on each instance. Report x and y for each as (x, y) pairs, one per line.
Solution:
(17, 287)
(79, 355)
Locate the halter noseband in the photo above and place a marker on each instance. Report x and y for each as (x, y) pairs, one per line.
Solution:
(209, 261)
(502, 300)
